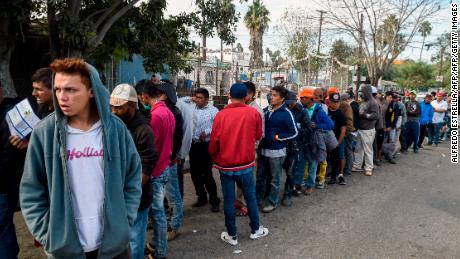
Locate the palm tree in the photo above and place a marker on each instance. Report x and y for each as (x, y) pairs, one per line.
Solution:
(256, 20)
(425, 30)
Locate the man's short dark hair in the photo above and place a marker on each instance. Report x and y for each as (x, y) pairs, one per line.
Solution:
(140, 85)
(251, 87)
(43, 75)
(281, 90)
(150, 89)
(202, 91)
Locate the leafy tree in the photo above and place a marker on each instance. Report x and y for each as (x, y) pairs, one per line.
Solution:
(275, 57)
(415, 75)
(256, 20)
(425, 30)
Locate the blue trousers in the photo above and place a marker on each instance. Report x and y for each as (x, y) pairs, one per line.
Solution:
(412, 134)
(9, 248)
(138, 231)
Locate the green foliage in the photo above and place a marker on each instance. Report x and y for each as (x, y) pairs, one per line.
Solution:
(275, 57)
(257, 17)
(216, 16)
(414, 74)
(343, 52)
(389, 32)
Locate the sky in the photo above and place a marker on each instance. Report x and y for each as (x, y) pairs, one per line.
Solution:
(440, 24)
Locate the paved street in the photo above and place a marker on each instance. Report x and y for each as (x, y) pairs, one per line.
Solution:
(411, 209)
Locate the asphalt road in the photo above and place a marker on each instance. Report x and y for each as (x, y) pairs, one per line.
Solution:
(408, 210)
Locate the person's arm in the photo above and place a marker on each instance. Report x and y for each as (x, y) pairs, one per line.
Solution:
(371, 113)
(145, 145)
(132, 183)
(259, 127)
(33, 190)
(214, 144)
(214, 112)
(291, 128)
(343, 130)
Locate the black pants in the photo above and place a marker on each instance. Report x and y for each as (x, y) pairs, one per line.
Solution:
(289, 166)
(201, 172)
(423, 133)
(402, 138)
(180, 176)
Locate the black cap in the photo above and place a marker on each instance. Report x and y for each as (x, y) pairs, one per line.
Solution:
(169, 90)
(334, 97)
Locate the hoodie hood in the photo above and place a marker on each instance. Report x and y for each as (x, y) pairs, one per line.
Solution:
(367, 92)
(101, 98)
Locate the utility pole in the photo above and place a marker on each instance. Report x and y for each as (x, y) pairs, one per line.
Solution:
(321, 12)
(199, 67)
(360, 50)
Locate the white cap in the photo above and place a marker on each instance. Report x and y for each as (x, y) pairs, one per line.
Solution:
(122, 94)
(374, 90)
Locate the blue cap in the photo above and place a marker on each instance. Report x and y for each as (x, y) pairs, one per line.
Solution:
(291, 97)
(238, 91)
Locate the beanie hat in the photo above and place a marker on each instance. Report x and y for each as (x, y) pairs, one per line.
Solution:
(291, 97)
(238, 91)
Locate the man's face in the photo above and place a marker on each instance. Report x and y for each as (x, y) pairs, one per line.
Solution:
(42, 94)
(155, 80)
(248, 98)
(439, 98)
(123, 112)
(334, 105)
(427, 99)
(73, 95)
(389, 98)
(318, 93)
(412, 97)
(276, 99)
(200, 100)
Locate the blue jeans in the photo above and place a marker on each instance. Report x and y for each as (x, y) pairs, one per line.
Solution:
(348, 153)
(435, 133)
(312, 168)
(299, 169)
(268, 166)
(174, 198)
(412, 134)
(160, 225)
(137, 236)
(246, 181)
(9, 248)
(289, 165)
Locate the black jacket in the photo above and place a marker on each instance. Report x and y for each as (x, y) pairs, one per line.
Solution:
(12, 159)
(178, 131)
(391, 115)
(142, 134)
(355, 107)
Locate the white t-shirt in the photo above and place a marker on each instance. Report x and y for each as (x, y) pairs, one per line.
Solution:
(438, 117)
(85, 163)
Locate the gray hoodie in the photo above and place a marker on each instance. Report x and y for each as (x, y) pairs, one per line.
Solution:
(368, 110)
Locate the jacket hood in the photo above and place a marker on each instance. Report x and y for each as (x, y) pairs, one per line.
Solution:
(101, 98)
(367, 92)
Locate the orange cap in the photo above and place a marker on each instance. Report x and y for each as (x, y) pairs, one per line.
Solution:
(307, 92)
(332, 89)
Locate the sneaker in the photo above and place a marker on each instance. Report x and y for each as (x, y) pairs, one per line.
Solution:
(215, 208)
(332, 181)
(356, 169)
(320, 185)
(404, 151)
(149, 248)
(268, 209)
(308, 191)
(416, 151)
(172, 234)
(261, 232)
(287, 201)
(420, 147)
(368, 173)
(229, 239)
(392, 161)
(341, 179)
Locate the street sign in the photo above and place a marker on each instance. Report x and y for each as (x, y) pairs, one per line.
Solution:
(439, 78)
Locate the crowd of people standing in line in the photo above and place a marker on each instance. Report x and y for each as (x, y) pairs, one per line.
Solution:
(99, 165)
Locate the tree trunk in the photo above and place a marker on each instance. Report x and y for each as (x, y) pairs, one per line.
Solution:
(7, 43)
(53, 28)
(421, 50)
(204, 48)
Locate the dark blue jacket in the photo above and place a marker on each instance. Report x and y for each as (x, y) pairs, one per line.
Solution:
(426, 113)
(280, 122)
(303, 126)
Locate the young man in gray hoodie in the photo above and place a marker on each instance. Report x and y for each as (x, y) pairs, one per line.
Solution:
(369, 114)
